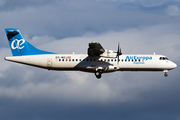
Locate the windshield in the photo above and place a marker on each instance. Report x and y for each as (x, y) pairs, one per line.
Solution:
(163, 58)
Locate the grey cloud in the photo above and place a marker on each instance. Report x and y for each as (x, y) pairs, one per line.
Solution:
(144, 3)
(10, 5)
(153, 3)
(173, 10)
(157, 38)
(90, 111)
(70, 18)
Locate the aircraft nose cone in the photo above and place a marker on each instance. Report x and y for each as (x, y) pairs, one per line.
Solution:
(174, 65)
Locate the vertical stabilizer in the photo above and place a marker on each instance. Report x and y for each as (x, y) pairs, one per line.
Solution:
(19, 46)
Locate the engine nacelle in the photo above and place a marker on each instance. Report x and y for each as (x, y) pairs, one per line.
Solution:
(109, 53)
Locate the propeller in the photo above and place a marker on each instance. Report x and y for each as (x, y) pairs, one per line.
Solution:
(118, 53)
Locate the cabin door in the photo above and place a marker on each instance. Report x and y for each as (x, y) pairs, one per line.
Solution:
(49, 62)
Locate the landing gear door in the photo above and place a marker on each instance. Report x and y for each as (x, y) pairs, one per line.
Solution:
(49, 62)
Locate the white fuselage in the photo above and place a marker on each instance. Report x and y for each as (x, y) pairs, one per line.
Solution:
(82, 62)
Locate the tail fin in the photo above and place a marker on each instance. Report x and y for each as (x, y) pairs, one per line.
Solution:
(19, 46)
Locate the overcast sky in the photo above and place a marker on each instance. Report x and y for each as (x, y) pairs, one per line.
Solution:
(66, 26)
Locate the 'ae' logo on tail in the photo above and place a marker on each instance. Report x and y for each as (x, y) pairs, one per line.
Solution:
(17, 44)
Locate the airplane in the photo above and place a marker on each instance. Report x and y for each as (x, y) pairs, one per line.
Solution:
(97, 60)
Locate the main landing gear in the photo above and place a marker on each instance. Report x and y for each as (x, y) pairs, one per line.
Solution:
(98, 74)
(165, 73)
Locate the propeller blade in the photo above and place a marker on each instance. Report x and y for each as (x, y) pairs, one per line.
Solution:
(118, 53)
(118, 47)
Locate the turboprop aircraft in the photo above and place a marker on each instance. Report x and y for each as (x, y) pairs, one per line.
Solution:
(97, 60)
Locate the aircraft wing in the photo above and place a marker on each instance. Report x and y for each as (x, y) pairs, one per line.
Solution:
(95, 49)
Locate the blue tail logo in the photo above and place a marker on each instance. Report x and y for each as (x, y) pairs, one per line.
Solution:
(19, 46)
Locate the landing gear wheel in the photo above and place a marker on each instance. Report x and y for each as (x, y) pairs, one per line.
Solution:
(165, 74)
(98, 74)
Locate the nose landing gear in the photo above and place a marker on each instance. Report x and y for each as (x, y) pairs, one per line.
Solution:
(165, 73)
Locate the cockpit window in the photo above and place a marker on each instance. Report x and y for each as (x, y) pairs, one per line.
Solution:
(163, 58)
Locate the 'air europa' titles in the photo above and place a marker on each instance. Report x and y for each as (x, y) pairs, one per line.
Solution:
(139, 57)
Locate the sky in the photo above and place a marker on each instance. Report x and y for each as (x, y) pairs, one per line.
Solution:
(66, 26)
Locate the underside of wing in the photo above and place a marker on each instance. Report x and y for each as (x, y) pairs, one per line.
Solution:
(95, 49)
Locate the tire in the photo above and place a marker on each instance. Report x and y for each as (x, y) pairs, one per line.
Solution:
(98, 74)
(165, 74)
